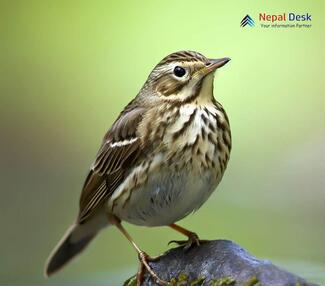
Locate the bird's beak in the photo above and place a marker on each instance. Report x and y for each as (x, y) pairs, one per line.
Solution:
(215, 64)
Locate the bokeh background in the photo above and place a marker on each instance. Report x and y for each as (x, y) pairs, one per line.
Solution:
(68, 67)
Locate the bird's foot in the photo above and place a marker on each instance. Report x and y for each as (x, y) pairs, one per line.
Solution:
(144, 266)
(193, 240)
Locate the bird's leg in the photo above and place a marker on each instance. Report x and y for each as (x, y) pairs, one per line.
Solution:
(143, 257)
(193, 238)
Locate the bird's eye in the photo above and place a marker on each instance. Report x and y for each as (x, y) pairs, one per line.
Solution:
(179, 71)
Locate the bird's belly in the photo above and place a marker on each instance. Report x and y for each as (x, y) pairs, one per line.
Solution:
(166, 197)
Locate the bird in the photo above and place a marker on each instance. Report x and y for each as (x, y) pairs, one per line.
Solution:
(161, 159)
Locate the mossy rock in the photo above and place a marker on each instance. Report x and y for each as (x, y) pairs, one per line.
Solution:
(217, 263)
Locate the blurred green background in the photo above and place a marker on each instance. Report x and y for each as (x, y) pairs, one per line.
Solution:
(68, 67)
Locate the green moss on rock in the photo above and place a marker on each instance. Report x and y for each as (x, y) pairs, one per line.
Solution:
(182, 280)
(253, 281)
(132, 281)
(225, 281)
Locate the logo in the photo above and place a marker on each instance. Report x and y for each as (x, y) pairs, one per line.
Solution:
(278, 20)
(247, 20)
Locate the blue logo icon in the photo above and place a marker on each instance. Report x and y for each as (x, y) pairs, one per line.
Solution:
(247, 20)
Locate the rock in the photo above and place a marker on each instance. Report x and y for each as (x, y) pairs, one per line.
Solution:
(218, 263)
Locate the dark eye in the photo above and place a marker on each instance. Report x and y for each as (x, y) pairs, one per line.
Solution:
(179, 71)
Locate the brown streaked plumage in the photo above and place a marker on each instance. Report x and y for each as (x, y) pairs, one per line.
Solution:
(160, 160)
(184, 56)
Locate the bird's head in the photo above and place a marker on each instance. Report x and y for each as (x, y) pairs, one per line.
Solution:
(182, 76)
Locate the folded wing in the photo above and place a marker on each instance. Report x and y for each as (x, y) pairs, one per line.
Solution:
(119, 152)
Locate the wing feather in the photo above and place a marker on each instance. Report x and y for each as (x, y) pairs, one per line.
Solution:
(120, 149)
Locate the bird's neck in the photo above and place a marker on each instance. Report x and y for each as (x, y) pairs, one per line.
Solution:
(205, 96)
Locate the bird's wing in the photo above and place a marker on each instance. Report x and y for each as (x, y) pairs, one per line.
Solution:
(120, 149)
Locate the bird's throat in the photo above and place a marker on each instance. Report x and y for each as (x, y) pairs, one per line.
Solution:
(206, 92)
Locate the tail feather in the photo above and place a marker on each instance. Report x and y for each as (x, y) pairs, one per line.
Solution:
(67, 248)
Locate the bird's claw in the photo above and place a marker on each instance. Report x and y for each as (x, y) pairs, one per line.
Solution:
(144, 265)
(193, 240)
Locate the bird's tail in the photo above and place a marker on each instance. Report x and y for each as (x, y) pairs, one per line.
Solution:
(73, 242)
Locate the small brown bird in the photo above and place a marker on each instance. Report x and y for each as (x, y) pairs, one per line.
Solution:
(161, 160)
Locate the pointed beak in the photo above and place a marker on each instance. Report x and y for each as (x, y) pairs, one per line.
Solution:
(215, 64)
